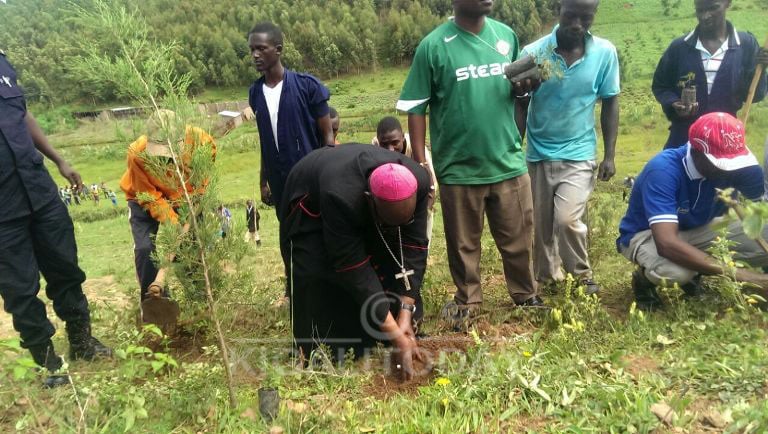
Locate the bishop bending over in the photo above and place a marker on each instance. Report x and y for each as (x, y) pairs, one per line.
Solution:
(353, 236)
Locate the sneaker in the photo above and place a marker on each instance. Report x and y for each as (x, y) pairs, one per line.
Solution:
(646, 297)
(590, 286)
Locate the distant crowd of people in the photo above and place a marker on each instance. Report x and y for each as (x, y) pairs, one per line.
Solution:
(94, 193)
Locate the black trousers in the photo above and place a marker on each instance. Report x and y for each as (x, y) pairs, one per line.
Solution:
(42, 242)
(144, 230)
(323, 312)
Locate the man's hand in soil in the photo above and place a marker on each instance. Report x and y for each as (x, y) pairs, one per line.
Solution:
(754, 278)
(70, 174)
(762, 57)
(685, 110)
(266, 195)
(606, 170)
(405, 351)
(405, 323)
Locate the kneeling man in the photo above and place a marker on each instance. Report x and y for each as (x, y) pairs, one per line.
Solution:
(353, 237)
(666, 229)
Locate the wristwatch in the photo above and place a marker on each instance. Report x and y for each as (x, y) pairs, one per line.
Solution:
(409, 307)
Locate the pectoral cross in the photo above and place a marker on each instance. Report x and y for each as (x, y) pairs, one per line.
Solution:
(403, 274)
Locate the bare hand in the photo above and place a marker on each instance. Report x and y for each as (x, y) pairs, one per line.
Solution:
(155, 290)
(266, 195)
(762, 57)
(525, 86)
(406, 350)
(405, 324)
(606, 170)
(759, 280)
(70, 174)
(685, 110)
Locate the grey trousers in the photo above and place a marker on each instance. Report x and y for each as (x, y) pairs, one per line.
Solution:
(663, 272)
(561, 190)
(510, 218)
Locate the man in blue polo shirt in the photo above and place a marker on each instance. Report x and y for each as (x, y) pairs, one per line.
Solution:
(562, 142)
(666, 228)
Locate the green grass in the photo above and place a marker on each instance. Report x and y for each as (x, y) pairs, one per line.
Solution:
(599, 366)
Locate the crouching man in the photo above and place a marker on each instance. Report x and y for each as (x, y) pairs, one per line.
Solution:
(666, 229)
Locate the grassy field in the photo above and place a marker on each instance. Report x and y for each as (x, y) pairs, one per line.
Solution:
(590, 365)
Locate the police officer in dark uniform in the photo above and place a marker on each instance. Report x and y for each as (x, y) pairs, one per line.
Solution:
(37, 236)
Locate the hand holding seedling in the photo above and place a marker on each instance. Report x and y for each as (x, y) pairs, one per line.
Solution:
(525, 86)
(524, 74)
(685, 110)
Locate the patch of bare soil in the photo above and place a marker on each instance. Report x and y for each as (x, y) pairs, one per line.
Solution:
(525, 424)
(495, 333)
(184, 344)
(102, 292)
(638, 365)
(434, 350)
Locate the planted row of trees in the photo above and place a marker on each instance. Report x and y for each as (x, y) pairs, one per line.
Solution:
(325, 37)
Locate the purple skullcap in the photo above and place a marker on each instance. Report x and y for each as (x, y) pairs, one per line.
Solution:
(392, 182)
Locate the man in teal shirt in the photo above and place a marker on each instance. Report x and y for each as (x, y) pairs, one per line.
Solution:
(562, 142)
(458, 72)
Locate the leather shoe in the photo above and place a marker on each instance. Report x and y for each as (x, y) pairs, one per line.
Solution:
(590, 286)
(534, 301)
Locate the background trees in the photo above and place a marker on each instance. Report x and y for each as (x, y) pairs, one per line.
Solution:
(325, 37)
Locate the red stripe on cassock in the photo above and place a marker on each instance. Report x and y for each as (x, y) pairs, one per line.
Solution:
(413, 246)
(308, 212)
(352, 267)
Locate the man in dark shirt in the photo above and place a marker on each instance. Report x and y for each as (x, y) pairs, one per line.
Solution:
(719, 60)
(291, 110)
(37, 236)
(353, 238)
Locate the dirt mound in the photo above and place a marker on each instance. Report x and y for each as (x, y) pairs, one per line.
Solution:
(434, 351)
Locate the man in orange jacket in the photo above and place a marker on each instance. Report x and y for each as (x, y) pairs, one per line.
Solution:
(153, 196)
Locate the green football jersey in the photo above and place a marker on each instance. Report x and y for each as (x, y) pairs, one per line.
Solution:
(460, 77)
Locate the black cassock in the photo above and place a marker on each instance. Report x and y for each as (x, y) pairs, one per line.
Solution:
(340, 274)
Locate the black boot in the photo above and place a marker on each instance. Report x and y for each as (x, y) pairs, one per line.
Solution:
(45, 356)
(82, 345)
(646, 297)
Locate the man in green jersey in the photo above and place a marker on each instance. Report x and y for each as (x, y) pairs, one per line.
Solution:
(458, 72)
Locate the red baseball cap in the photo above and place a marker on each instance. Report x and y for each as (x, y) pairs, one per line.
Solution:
(720, 137)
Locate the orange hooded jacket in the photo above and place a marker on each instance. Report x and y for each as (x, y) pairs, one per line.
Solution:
(137, 179)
